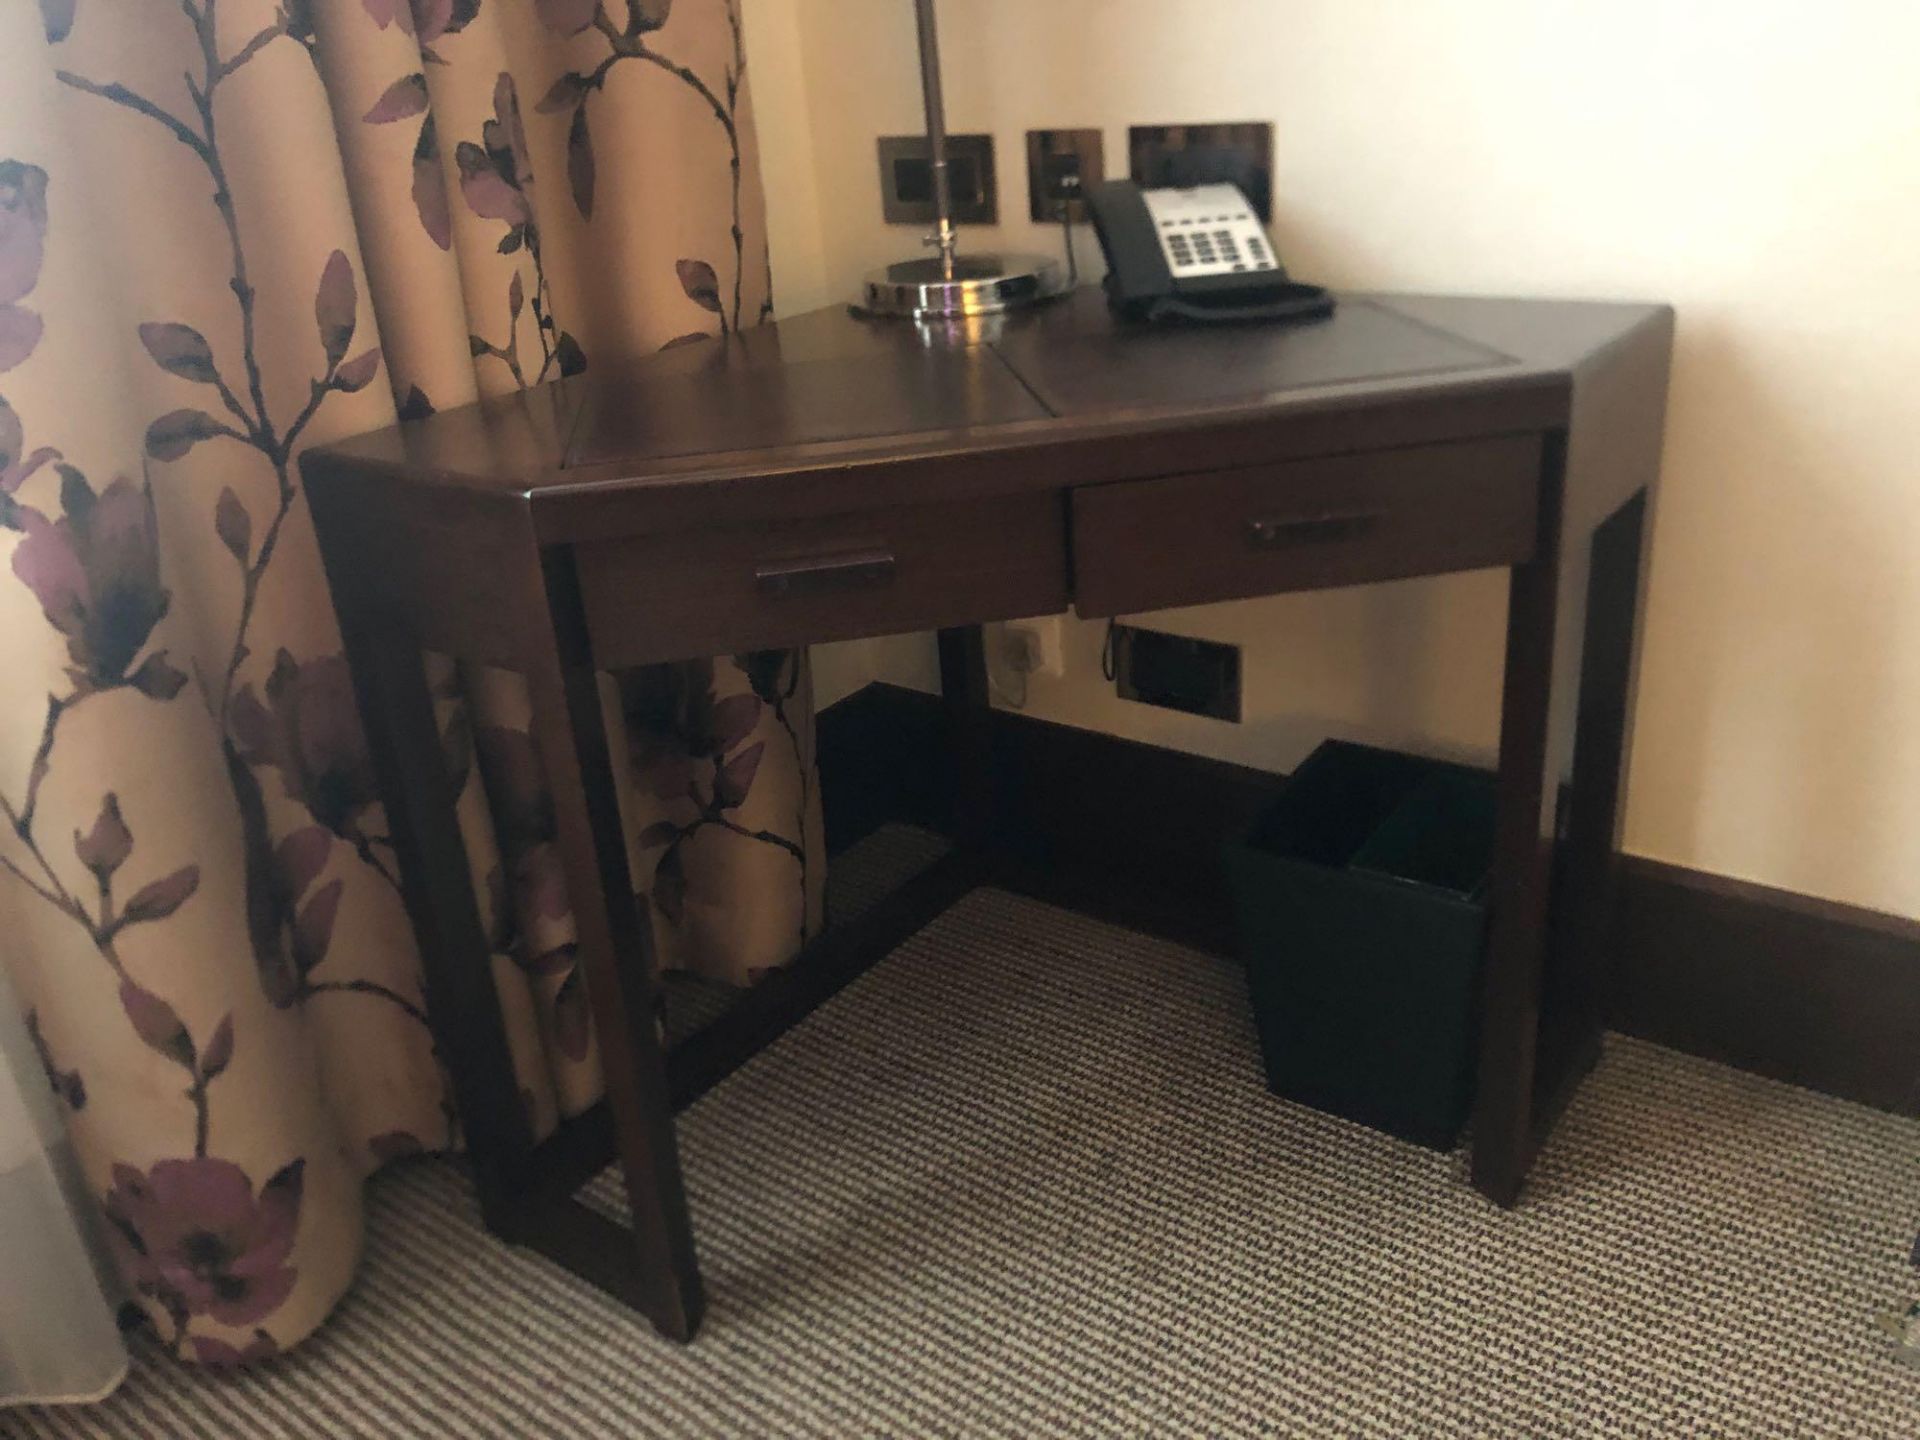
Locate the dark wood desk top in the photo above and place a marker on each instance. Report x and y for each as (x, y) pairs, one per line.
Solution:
(827, 477)
(825, 413)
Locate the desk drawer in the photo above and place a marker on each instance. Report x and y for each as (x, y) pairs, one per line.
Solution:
(1304, 524)
(711, 592)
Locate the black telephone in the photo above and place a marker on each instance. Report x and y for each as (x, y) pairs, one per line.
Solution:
(1197, 254)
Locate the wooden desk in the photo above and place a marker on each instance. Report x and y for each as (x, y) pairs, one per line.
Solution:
(826, 478)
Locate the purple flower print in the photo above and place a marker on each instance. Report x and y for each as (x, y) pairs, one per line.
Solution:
(296, 20)
(96, 574)
(570, 17)
(676, 719)
(20, 330)
(191, 1234)
(429, 189)
(533, 876)
(574, 89)
(572, 1017)
(309, 730)
(566, 17)
(66, 1084)
(23, 236)
(523, 815)
(56, 17)
(425, 20)
(496, 181)
(16, 465)
(773, 675)
(23, 228)
(105, 848)
(496, 176)
(402, 100)
(681, 733)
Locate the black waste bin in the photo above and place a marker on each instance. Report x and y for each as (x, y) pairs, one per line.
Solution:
(1362, 913)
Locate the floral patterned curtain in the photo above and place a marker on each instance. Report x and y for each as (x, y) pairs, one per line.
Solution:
(230, 229)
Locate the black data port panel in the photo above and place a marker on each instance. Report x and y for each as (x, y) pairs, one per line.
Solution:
(1062, 165)
(1236, 152)
(1177, 672)
(906, 180)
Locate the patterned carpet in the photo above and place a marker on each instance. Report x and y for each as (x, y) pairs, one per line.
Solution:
(1023, 1180)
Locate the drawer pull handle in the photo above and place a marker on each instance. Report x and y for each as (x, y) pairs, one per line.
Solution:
(1310, 529)
(817, 574)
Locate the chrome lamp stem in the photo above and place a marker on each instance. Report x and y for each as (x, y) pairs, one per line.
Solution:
(943, 236)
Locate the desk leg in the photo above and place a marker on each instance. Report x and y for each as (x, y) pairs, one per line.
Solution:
(969, 707)
(1522, 862)
(616, 959)
(1586, 882)
(389, 673)
(1557, 853)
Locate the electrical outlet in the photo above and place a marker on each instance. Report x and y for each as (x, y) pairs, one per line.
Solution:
(1037, 646)
(906, 180)
(1240, 153)
(1061, 166)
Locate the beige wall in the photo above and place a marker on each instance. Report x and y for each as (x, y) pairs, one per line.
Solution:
(1755, 163)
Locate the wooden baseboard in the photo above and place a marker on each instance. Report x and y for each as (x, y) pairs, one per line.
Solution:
(1086, 820)
(1819, 994)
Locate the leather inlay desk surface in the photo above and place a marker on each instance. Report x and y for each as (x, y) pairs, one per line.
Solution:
(643, 417)
(1076, 364)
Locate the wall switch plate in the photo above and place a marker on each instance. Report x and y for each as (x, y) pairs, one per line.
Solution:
(1240, 153)
(906, 180)
(1052, 153)
(1177, 672)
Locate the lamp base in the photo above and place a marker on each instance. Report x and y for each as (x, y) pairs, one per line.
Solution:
(920, 289)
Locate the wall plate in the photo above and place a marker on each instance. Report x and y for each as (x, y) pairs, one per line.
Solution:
(1177, 672)
(1087, 146)
(1185, 155)
(906, 180)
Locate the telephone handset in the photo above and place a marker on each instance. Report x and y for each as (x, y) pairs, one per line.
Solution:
(1196, 254)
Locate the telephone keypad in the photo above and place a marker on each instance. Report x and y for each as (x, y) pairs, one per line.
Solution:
(1209, 230)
